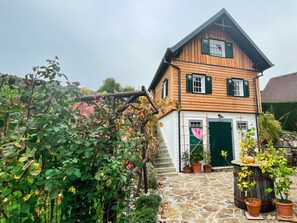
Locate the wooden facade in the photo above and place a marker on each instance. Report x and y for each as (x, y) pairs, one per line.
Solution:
(192, 51)
(191, 60)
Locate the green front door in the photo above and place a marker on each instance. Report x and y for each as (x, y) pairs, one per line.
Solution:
(220, 138)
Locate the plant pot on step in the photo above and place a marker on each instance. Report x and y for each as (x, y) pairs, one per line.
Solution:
(187, 169)
(284, 210)
(253, 206)
(207, 168)
(196, 167)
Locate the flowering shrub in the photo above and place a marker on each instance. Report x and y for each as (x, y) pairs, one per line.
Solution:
(77, 156)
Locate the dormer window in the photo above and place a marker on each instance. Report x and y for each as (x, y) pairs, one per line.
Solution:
(217, 48)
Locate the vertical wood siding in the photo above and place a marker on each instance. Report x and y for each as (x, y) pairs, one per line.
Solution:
(192, 51)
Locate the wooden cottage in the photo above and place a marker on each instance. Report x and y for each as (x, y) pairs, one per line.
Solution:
(213, 75)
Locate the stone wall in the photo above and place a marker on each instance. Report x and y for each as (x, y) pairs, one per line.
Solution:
(290, 140)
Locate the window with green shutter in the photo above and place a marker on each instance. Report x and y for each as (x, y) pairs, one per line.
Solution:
(238, 87)
(199, 84)
(218, 48)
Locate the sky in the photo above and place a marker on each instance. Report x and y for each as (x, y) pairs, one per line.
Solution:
(126, 39)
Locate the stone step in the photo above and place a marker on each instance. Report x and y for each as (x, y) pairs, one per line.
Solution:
(170, 174)
(165, 169)
(165, 164)
(164, 159)
(162, 151)
(222, 169)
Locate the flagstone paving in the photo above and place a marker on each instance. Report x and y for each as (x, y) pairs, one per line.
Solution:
(206, 198)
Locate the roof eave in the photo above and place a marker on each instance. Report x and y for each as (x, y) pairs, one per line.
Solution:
(162, 67)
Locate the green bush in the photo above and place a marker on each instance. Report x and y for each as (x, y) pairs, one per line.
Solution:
(152, 201)
(146, 209)
(152, 179)
(269, 129)
(144, 215)
(285, 112)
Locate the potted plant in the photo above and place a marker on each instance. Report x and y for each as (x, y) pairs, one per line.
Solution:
(195, 162)
(207, 159)
(275, 164)
(246, 184)
(186, 158)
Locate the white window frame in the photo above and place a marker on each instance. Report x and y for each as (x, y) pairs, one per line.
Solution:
(238, 87)
(198, 83)
(164, 88)
(217, 48)
(239, 125)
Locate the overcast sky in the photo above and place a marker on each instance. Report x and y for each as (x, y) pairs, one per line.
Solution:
(126, 39)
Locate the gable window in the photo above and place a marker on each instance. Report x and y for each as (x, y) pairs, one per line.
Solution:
(199, 84)
(238, 87)
(242, 125)
(165, 88)
(218, 48)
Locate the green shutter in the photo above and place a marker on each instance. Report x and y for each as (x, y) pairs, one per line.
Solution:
(229, 50)
(208, 85)
(204, 46)
(230, 87)
(189, 83)
(246, 88)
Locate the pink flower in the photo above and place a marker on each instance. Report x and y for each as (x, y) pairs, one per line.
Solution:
(198, 133)
(101, 99)
(129, 166)
(95, 119)
(107, 136)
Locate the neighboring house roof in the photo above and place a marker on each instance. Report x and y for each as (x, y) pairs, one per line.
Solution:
(281, 89)
(261, 62)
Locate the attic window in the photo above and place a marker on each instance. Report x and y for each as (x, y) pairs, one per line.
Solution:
(217, 48)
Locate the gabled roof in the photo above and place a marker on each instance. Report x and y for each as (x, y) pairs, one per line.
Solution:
(281, 89)
(223, 18)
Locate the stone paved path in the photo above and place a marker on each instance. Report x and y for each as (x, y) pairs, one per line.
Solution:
(206, 198)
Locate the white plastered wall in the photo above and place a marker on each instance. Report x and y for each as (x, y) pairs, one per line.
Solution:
(170, 129)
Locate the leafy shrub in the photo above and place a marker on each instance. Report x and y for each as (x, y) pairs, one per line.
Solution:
(152, 201)
(144, 215)
(146, 209)
(153, 179)
(269, 129)
(285, 112)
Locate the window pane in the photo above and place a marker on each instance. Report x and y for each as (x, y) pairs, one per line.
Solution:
(238, 87)
(217, 48)
(198, 84)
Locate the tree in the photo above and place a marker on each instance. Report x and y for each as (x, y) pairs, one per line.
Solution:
(86, 91)
(109, 85)
(128, 88)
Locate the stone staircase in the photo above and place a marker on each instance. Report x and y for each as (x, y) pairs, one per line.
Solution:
(164, 165)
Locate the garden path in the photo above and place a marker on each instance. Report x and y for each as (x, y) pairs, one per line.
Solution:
(206, 198)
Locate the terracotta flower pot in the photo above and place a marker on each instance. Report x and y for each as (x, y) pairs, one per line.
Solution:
(196, 167)
(207, 168)
(284, 210)
(187, 169)
(253, 206)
